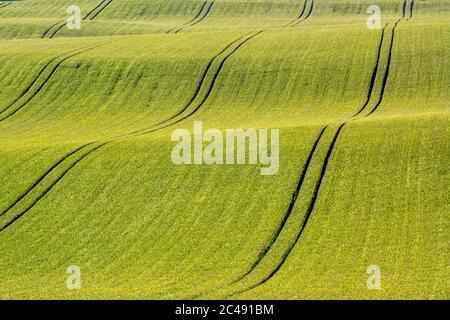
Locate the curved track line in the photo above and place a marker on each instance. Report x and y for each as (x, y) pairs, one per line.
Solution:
(311, 9)
(411, 10)
(374, 74)
(41, 86)
(93, 10)
(49, 35)
(57, 30)
(286, 216)
(42, 177)
(199, 20)
(387, 71)
(192, 20)
(210, 88)
(302, 12)
(204, 16)
(25, 91)
(322, 174)
(22, 213)
(5, 5)
(200, 83)
(319, 181)
(324, 168)
(91, 18)
(101, 10)
(307, 216)
(47, 31)
(405, 4)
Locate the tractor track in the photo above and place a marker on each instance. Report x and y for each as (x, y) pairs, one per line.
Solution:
(202, 18)
(114, 139)
(101, 10)
(303, 172)
(42, 85)
(327, 159)
(374, 73)
(25, 91)
(47, 31)
(302, 12)
(193, 19)
(328, 156)
(48, 34)
(286, 216)
(307, 215)
(86, 17)
(302, 18)
(387, 71)
(4, 5)
(310, 10)
(42, 177)
(29, 207)
(197, 19)
(405, 5)
(411, 10)
(210, 88)
(200, 83)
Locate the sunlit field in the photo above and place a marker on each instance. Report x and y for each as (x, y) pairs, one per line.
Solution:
(86, 122)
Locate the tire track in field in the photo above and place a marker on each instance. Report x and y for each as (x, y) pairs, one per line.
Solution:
(50, 32)
(45, 80)
(191, 21)
(405, 5)
(4, 5)
(298, 19)
(100, 144)
(310, 208)
(60, 25)
(289, 210)
(208, 10)
(209, 90)
(374, 73)
(87, 16)
(327, 159)
(101, 9)
(47, 190)
(201, 15)
(201, 82)
(389, 59)
(302, 17)
(310, 10)
(387, 71)
(329, 153)
(411, 10)
(92, 15)
(25, 91)
(47, 32)
(42, 177)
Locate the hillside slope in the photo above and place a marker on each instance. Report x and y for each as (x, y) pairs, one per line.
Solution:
(86, 118)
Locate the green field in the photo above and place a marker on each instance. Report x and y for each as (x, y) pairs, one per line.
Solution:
(86, 118)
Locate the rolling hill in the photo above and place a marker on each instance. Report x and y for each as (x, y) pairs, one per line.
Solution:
(86, 118)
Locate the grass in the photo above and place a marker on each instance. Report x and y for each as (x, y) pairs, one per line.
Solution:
(85, 161)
